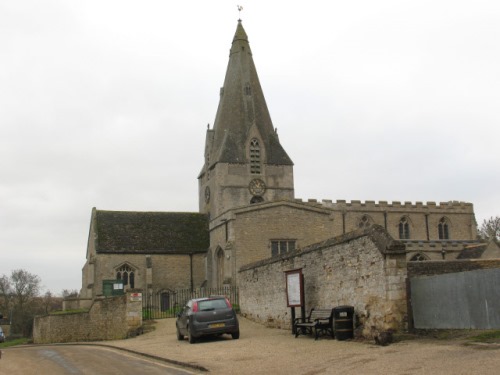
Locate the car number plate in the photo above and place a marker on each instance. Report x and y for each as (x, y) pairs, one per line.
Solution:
(217, 325)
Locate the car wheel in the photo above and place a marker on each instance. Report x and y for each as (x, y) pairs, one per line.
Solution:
(179, 336)
(191, 338)
(235, 335)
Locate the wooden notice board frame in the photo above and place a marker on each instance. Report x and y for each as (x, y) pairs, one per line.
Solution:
(294, 288)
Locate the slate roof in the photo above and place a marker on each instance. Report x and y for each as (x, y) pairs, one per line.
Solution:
(473, 251)
(130, 232)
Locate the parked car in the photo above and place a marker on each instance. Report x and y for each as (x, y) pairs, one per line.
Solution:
(2, 336)
(207, 316)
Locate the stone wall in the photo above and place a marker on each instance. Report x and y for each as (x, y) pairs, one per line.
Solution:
(166, 271)
(251, 229)
(74, 303)
(423, 218)
(110, 318)
(365, 269)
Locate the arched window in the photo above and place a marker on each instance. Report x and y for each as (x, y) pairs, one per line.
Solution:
(404, 228)
(220, 267)
(256, 199)
(418, 258)
(443, 229)
(126, 274)
(254, 156)
(365, 222)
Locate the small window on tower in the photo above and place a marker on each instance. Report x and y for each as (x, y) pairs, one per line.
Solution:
(248, 90)
(254, 156)
(443, 230)
(404, 229)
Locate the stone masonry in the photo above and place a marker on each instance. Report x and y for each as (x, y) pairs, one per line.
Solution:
(110, 318)
(365, 269)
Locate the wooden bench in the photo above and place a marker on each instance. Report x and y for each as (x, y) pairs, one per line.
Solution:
(319, 321)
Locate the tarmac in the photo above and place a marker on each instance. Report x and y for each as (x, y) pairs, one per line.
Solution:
(262, 350)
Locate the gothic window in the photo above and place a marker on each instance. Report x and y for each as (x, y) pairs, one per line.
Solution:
(126, 274)
(254, 156)
(220, 267)
(404, 229)
(282, 246)
(443, 229)
(365, 222)
(418, 258)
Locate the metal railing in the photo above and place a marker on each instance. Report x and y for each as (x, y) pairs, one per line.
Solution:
(159, 304)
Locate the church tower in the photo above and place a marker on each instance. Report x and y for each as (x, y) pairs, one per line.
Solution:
(244, 160)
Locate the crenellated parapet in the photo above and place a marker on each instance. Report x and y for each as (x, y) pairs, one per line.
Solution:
(369, 205)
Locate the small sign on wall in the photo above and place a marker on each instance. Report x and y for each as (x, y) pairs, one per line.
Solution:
(294, 288)
(135, 297)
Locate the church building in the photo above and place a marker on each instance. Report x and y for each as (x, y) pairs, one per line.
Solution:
(248, 210)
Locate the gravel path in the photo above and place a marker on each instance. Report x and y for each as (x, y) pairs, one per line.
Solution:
(262, 350)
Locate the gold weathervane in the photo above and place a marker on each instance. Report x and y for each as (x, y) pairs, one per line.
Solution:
(240, 8)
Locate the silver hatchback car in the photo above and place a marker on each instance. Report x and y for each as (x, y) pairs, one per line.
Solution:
(207, 316)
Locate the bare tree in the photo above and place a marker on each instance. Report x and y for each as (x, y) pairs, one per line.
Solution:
(490, 229)
(25, 286)
(19, 293)
(5, 296)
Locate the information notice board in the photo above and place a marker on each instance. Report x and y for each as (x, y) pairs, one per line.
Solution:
(294, 288)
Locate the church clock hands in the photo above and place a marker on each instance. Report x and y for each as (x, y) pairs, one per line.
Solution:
(257, 187)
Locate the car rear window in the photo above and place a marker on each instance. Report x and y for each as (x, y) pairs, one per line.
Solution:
(212, 304)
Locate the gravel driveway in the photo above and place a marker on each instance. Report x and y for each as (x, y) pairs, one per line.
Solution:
(262, 350)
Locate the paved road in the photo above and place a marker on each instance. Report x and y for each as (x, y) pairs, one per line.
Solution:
(81, 359)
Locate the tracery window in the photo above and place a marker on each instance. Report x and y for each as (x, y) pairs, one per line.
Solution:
(254, 156)
(365, 222)
(443, 229)
(418, 258)
(126, 274)
(404, 228)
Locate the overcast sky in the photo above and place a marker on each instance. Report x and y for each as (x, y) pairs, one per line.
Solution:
(106, 103)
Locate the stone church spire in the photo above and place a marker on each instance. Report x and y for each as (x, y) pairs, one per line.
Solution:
(244, 160)
(243, 106)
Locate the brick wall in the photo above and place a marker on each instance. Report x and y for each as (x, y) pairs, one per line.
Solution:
(364, 269)
(110, 318)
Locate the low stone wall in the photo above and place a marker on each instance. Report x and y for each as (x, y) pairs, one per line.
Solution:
(109, 318)
(364, 269)
(76, 303)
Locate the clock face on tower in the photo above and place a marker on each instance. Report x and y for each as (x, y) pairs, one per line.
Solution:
(207, 194)
(257, 187)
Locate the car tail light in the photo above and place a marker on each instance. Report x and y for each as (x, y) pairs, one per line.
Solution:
(195, 306)
(228, 304)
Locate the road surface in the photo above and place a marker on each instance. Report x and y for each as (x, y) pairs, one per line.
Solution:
(81, 359)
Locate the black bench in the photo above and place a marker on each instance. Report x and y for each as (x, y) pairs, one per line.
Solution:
(319, 321)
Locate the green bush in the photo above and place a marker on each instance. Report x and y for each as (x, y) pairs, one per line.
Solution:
(14, 342)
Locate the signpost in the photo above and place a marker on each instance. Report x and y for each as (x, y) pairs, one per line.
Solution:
(295, 293)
